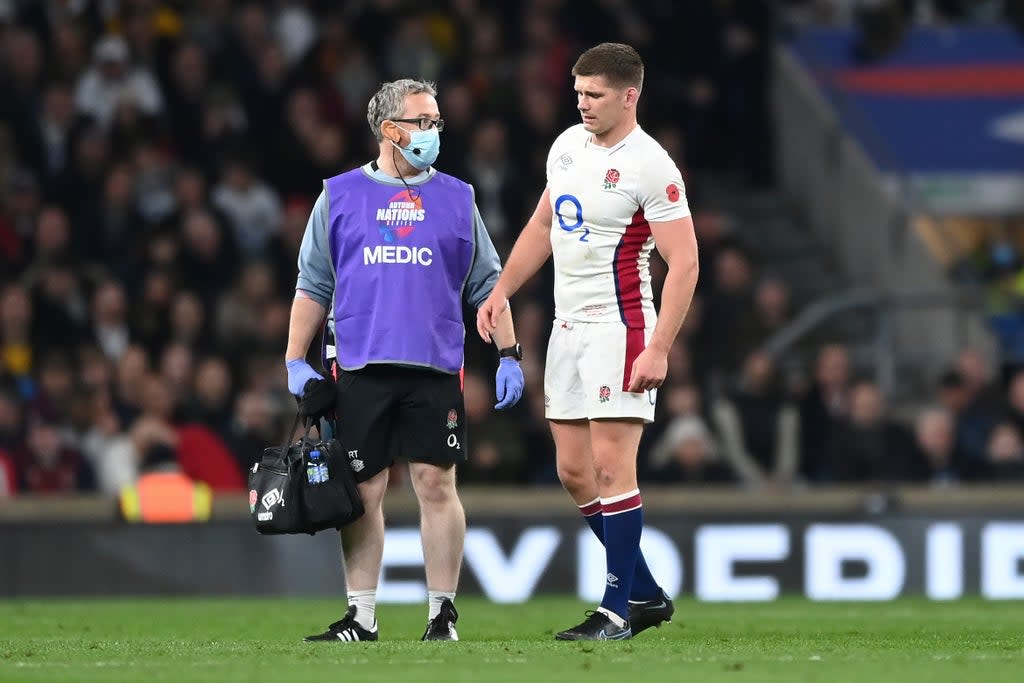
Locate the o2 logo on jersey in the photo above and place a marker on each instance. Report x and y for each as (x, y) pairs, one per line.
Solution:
(571, 199)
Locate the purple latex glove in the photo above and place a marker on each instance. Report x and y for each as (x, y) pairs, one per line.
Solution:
(508, 383)
(299, 373)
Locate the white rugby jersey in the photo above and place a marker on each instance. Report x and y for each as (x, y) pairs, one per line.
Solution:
(602, 199)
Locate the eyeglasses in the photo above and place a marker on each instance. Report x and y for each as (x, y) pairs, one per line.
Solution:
(424, 123)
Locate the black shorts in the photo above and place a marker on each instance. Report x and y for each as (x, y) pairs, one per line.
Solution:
(388, 412)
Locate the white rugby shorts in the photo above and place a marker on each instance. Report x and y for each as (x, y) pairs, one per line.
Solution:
(587, 371)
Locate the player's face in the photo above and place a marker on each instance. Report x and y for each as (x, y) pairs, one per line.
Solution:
(601, 106)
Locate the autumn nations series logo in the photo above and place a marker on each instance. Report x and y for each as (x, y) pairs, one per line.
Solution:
(397, 220)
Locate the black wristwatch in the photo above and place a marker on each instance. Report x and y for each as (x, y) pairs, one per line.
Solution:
(515, 351)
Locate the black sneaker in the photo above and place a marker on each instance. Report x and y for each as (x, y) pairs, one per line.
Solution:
(442, 627)
(347, 630)
(643, 615)
(597, 626)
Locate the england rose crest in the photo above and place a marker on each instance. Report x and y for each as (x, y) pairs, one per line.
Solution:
(611, 178)
(453, 419)
(253, 496)
(604, 393)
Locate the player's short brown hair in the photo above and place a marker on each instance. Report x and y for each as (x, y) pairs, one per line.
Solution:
(619, 63)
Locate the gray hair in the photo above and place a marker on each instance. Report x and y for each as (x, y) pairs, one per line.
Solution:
(389, 102)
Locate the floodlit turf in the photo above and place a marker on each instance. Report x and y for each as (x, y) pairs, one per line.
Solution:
(259, 640)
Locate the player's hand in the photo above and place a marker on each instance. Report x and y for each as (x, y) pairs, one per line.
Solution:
(488, 314)
(649, 370)
(508, 384)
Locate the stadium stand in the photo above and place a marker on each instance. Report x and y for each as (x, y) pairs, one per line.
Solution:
(158, 161)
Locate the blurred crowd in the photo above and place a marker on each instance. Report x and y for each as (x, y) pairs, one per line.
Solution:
(158, 163)
(898, 14)
(882, 25)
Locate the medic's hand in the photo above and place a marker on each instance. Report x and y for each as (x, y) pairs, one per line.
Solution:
(508, 383)
(316, 395)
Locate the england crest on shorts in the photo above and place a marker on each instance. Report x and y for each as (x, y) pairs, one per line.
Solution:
(604, 393)
(453, 419)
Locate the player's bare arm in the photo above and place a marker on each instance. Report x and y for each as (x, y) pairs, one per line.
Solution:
(307, 316)
(677, 244)
(531, 250)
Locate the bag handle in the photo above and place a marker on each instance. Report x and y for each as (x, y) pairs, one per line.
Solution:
(305, 435)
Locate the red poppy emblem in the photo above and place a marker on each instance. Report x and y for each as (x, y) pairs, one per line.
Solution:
(673, 192)
(611, 176)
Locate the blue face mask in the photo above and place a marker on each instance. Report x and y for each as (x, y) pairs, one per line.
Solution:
(424, 146)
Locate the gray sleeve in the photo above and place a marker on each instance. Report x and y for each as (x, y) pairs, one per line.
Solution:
(486, 265)
(316, 270)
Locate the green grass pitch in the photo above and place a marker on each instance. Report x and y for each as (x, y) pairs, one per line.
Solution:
(226, 640)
